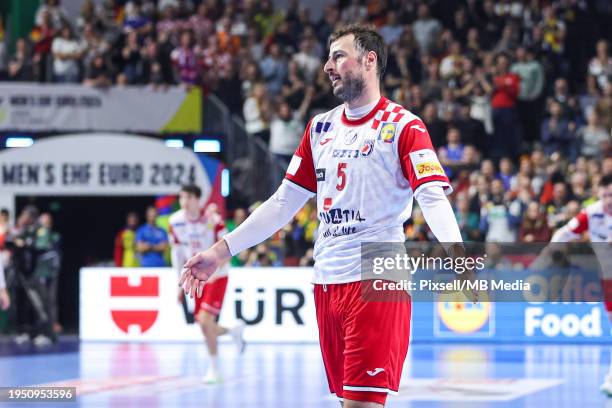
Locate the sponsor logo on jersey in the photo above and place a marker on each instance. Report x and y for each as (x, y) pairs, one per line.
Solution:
(350, 137)
(429, 169)
(327, 203)
(387, 132)
(320, 174)
(367, 148)
(418, 127)
(322, 127)
(339, 216)
(338, 231)
(324, 141)
(425, 163)
(346, 153)
(377, 370)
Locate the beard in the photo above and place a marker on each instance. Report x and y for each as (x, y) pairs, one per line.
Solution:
(352, 87)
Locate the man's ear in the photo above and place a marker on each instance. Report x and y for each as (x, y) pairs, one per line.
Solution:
(371, 60)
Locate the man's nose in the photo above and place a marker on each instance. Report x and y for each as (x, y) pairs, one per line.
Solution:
(328, 67)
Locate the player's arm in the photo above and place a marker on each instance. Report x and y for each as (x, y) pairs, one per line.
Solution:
(572, 231)
(162, 245)
(429, 182)
(142, 245)
(299, 185)
(177, 251)
(268, 218)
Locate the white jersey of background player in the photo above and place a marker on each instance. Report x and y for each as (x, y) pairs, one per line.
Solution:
(596, 219)
(193, 229)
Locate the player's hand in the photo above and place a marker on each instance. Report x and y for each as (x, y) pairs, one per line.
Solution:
(196, 271)
(5, 300)
(458, 251)
(200, 267)
(181, 296)
(472, 293)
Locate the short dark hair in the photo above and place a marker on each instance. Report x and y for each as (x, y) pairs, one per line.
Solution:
(606, 180)
(192, 189)
(366, 39)
(31, 210)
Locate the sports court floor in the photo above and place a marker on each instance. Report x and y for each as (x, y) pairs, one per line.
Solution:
(289, 375)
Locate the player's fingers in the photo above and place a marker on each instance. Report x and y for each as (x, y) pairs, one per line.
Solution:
(190, 283)
(192, 261)
(184, 275)
(194, 288)
(201, 288)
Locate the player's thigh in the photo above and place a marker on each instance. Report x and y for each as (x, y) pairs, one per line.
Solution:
(331, 337)
(213, 295)
(360, 404)
(377, 334)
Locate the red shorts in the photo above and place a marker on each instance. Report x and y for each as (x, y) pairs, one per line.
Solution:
(212, 297)
(364, 342)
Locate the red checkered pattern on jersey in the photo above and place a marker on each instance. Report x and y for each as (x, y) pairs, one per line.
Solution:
(390, 112)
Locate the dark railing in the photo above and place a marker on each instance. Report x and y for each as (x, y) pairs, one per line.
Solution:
(255, 172)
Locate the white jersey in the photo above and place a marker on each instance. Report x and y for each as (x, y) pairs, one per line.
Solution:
(188, 237)
(598, 224)
(365, 173)
(594, 220)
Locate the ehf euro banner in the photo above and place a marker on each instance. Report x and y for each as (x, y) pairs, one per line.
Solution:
(103, 164)
(46, 107)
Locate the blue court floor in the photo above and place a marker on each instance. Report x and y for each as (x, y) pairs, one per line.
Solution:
(274, 376)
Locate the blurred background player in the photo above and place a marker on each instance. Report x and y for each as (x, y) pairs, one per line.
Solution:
(5, 300)
(151, 241)
(596, 221)
(366, 161)
(125, 243)
(48, 262)
(31, 301)
(192, 230)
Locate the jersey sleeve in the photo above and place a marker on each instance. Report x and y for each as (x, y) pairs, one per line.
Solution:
(172, 235)
(579, 223)
(301, 168)
(418, 158)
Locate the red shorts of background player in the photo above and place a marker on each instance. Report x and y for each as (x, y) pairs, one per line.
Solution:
(212, 297)
(364, 342)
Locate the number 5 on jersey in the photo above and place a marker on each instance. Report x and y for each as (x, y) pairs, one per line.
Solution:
(341, 176)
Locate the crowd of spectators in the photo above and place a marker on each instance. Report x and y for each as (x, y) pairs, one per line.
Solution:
(30, 256)
(516, 94)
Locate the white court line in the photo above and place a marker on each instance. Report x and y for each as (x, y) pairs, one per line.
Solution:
(485, 389)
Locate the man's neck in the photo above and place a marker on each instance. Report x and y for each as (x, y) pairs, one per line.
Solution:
(366, 98)
(192, 216)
